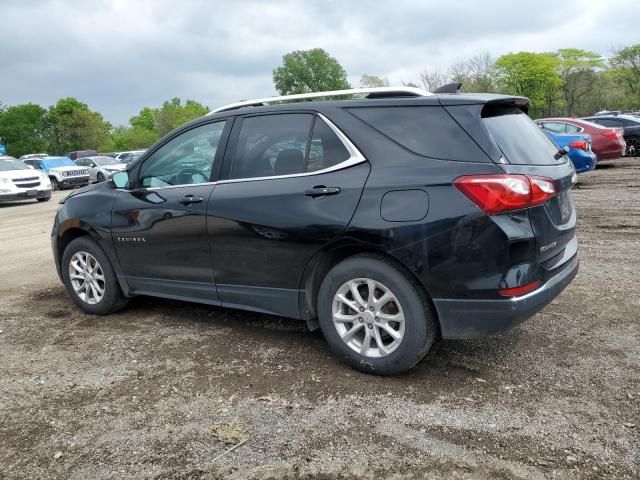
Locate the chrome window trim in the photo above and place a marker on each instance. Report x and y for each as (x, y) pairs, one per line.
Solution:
(174, 186)
(355, 158)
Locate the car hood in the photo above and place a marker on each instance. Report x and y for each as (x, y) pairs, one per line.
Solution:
(115, 168)
(66, 169)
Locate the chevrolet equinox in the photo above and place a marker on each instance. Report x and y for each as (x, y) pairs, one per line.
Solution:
(388, 220)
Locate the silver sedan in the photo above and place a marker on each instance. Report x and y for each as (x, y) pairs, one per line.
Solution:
(101, 167)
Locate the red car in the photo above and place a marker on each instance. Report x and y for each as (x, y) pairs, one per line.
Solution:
(608, 143)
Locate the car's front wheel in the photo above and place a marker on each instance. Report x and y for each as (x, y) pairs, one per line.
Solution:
(375, 316)
(90, 279)
(100, 177)
(54, 184)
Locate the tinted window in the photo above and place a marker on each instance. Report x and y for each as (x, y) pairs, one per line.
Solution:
(179, 162)
(556, 127)
(272, 145)
(521, 141)
(326, 149)
(607, 122)
(428, 131)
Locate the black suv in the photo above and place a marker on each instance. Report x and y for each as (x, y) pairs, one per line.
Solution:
(389, 220)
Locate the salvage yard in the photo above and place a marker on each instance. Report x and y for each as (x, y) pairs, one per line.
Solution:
(163, 389)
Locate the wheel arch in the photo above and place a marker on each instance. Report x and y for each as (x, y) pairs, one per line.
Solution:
(323, 261)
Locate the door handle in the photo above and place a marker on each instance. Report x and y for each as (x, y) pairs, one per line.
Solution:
(189, 199)
(322, 191)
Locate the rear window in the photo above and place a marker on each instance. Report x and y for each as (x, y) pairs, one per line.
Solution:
(520, 139)
(425, 130)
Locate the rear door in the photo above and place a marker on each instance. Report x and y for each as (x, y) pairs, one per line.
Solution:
(527, 150)
(290, 187)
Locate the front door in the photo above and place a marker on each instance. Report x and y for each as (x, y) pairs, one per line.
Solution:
(290, 188)
(159, 226)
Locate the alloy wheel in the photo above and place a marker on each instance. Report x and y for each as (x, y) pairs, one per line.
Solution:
(87, 277)
(368, 317)
(633, 147)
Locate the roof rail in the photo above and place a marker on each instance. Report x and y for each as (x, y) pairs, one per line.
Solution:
(377, 92)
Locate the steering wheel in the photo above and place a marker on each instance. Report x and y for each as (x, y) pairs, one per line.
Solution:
(193, 171)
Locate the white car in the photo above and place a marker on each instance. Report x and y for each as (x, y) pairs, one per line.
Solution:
(19, 182)
(101, 167)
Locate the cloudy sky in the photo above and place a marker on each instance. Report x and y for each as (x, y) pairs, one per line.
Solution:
(121, 55)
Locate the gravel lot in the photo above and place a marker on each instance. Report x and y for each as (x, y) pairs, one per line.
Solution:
(156, 390)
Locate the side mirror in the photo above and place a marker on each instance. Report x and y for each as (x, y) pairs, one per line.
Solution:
(120, 179)
(31, 167)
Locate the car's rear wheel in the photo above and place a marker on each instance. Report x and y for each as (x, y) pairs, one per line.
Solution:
(54, 184)
(90, 279)
(633, 147)
(374, 316)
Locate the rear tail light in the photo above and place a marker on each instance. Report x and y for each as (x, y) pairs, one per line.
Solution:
(611, 134)
(503, 193)
(580, 144)
(511, 292)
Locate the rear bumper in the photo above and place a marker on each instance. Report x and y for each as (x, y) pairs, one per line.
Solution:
(471, 318)
(583, 161)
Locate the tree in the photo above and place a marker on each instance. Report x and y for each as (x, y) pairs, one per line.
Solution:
(577, 69)
(145, 119)
(22, 129)
(626, 71)
(533, 75)
(304, 71)
(131, 138)
(477, 74)
(433, 79)
(373, 81)
(172, 114)
(71, 125)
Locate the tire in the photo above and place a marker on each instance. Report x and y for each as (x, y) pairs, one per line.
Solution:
(417, 335)
(45, 199)
(55, 186)
(112, 298)
(633, 147)
(100, 177)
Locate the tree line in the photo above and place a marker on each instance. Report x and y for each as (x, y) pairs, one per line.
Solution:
(567, 82)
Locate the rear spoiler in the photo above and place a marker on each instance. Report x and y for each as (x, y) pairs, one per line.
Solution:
(498, 106)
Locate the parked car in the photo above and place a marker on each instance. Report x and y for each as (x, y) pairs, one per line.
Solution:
(125, 157)
(19, 182)
(33, 155)
(607, 143)
(419, 216)
(62, 171)
(630, 129)
(579, 145)
(80, 154)
(101, 167)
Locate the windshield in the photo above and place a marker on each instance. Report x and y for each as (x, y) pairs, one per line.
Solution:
(58, 162)
(520, 139)
(105, 161)
(8, 163)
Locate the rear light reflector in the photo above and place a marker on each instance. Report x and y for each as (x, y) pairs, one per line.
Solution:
(580, 144)
(512, 292)
(503, 193)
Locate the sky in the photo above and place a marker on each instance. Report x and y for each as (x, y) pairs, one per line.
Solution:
(121, 55)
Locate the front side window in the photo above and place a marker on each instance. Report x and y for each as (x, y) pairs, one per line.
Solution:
(185, 160)
(285, 144)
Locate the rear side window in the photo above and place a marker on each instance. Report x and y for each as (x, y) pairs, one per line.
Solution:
(425, 130)
(520, 139)
(285, 144)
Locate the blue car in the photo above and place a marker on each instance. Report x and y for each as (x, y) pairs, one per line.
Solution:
(580, 152)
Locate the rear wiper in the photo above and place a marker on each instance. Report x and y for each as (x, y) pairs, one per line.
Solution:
(561, 153)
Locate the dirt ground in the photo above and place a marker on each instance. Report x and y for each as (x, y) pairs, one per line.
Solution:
(156, 390)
